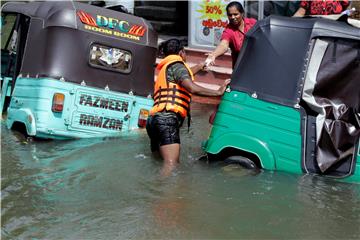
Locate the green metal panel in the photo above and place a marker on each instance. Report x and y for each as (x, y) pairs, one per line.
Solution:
(355, 178)
(270, 131)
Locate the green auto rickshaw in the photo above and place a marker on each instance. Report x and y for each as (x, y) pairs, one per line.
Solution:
(294, 100)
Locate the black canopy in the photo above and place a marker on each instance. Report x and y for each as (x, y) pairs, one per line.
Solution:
(274, 57)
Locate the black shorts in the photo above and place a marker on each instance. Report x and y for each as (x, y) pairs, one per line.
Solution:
(163, 129)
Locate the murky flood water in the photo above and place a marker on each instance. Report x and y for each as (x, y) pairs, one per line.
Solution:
(113, 189)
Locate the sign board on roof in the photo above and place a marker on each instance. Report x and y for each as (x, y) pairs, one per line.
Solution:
(111, 26)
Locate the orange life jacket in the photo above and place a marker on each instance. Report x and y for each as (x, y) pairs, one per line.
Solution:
(170, 96)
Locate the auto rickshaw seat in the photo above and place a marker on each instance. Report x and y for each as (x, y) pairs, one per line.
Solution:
(342, 168)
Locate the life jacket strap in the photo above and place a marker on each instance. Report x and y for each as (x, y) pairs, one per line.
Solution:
(173, 97)
(160, 90)
(187, 108)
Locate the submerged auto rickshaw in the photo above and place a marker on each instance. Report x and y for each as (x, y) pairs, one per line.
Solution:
(294, 100)
(74, 70)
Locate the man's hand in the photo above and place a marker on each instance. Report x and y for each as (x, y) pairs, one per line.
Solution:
(198, 67)
(222, 88)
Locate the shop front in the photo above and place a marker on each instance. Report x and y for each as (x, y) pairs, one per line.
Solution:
(207, 18)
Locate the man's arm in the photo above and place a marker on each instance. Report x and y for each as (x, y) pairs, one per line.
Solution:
(202, 91)
(195, 69)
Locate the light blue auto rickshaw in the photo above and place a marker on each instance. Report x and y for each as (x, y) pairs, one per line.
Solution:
(72, 70)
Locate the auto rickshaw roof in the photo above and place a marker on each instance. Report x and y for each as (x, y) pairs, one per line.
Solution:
(274, 57)
(63, 14)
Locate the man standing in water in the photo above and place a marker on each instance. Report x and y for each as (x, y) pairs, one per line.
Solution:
(172, 95)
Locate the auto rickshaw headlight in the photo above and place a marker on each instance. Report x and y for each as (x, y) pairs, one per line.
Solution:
(58, 102)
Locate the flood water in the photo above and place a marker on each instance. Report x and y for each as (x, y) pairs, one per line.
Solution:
(114, 189)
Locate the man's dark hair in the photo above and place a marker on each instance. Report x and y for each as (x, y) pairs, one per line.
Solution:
(172, 46)
(238, 6)
(119, 8)
(98, 3)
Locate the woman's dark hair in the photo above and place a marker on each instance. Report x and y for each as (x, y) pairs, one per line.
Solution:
(172, 46)
(238, 6)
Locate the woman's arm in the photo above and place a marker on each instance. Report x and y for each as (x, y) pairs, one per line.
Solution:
(219, 50)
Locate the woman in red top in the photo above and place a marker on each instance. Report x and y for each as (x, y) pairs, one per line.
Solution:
(321, 7)
(234, 33)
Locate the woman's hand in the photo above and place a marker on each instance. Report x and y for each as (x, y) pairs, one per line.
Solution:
(210, 60)
(219, 50)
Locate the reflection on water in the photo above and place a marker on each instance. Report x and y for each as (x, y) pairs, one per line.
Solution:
(113, 189)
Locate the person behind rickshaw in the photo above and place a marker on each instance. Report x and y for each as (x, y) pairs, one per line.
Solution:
(172, 94)
(234, 33)
(321, 7)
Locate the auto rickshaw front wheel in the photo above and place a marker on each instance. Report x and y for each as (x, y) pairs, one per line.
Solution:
(242, 161)
(231, 160)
